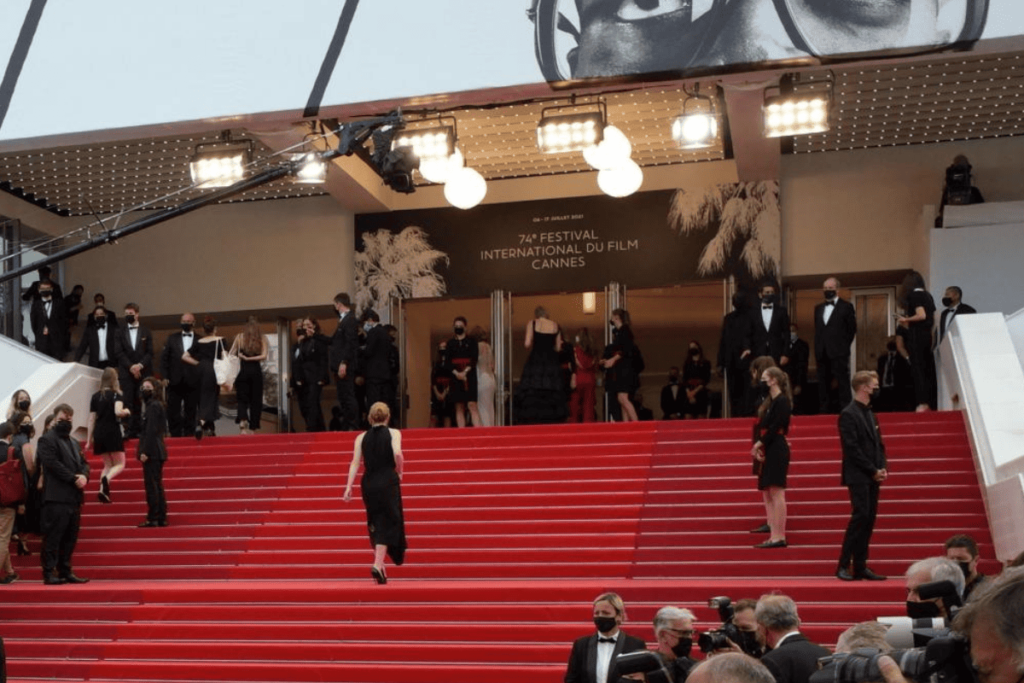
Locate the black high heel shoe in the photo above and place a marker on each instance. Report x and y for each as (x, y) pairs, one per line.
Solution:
(23, 547)
(378, 575)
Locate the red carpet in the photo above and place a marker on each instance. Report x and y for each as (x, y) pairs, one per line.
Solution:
(263, 574)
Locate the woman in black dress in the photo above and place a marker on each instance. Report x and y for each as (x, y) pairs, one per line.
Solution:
(920, 322)
(696, 375)
(26, 520)
(106, 410)
(540, 397)
(620, 377)
(771, 453)
(203, 353)
(379, 449)
(252, 351)
(152, 451)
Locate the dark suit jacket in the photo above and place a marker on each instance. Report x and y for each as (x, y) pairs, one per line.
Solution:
(672, 406)
(154, 427)
(794, 660)
(961, 309)
(173, 368)
(56, 322)
(735, 333)
(768, 342)
(376, 364)
(833, 340)
(91, 343)
(344, 346)
(61, 461)
(863, 450)
(142, 352)
(583, 658)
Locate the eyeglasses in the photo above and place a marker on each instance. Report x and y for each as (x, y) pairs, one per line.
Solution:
(675, 35)
(681, 634)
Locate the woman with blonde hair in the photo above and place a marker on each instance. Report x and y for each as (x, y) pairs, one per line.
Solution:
(251, 347)
(485, 384)
(19, 401)
(105, 439)
(771, 453)
(379, 450)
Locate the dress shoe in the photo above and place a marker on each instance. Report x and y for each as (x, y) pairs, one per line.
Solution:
(844, 574)
(71, 578)
(51, 580)
(869, 575)
(162, 522)
(763, 529)
(781, 543)
(10, 578)
(199, 432)
(378, 575)
(148, 523)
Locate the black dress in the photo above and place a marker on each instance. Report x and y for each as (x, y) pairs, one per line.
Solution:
(771, 431)
(106, 433)
(382, 493)
(541, 396)
(621, 378)
(209, 390)
(696, 374)
(919, 347)
(28, 522)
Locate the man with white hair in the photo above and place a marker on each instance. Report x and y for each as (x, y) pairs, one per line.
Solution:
(673, 630)
(930, 570)
(792, 658)
(994, 623)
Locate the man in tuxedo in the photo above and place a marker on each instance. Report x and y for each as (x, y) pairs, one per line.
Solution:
(99, 300)
(864, 470)
(32, 293)
(769, 327)
(376, 363)
(895, 380)
(99, 341)
(835, 326)
(342, 358)
(799, 354)
(953, 307)
(792, 658)
(182, 379)
(134, 357)
(65, 474)
(592, 659)
(673, 397)
(673, 630)
(734, 353)
(49, 321)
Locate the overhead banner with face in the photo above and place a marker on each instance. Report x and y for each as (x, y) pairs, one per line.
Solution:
(646, 240)
(72, 67)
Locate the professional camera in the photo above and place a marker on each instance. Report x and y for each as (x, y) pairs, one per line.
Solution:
(719, 639)
(645, 662)
(946, 659)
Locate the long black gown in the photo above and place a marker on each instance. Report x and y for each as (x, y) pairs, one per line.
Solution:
(541, 397)
(209, 390)
(382, 493)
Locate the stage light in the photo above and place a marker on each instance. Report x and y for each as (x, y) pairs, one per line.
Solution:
(697, 126)
(220, 164)
(621, 181)
(310, 168)
(433, 143)
(791, 113)
(612, 151)
(465, 188)
(567, 129)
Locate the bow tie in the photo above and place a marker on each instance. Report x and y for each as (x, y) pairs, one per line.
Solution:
(830, 303)
(186, 334)
(606, 640)
(766, 307)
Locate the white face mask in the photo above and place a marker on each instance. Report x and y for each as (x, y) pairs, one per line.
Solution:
(577, 339)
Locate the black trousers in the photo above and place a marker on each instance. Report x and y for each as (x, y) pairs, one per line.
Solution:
(864, 501)
(249, 391)
(182, 403)
(382, 390)
(130, 391)
(60, 523)
(834, 371)
(309, 403)
(347, 402)
(156, 501)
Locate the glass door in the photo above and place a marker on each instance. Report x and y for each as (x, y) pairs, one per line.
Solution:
(875, 324)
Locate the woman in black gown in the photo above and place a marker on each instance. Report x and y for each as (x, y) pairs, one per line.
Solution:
(541, 397)
(621, 379)
(203, 353)
(771, 453)
(920, 322)
(696, 377)
(106, 410)
(379, 449)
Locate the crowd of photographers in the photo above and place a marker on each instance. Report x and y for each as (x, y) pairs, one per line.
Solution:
(960, 627)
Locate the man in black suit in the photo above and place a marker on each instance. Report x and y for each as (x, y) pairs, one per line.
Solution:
(32, 293)
(864, 470)
(673, 631)
(49, 321)
(799, 354)
(134, 357)
(376, 363)
(733, 352)
(592, 659)
(182, 379)
(895, 379)
(99, 341)
(342, 359)
(769, 327)
(673, 397)
(65, 474)
(954, 307)
(792, 658)
(835, 326)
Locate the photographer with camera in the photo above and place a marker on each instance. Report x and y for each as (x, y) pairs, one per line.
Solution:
(792, 658)
(739, 631)
(931, 571)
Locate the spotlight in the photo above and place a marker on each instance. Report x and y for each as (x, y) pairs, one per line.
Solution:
(796, 114)
(429, 144)
(621, 181)
(465, 188)
(696, 129)
(397, 167)
(614, 150)
(570, 132)
(310, 169)
(220, 164)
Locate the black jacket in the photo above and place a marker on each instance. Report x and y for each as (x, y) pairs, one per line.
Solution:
(376, 364)
(52, 344)
(794, 660)
(583, 658)
(142, 352)
(344, 346)
(734, 339)
(768, 342)
(154, 428)
(833, 340)
(91, 343)
(863, 450)
(173, 368)
(961, 309)
(61, 460)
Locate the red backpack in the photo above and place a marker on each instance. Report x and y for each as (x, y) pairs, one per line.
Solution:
(12, 481)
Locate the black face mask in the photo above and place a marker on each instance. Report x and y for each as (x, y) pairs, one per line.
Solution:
(673, 379)
(695, 353)
(748, 642)
(605, 624)
(768, 299)
(891, 346)
(186, 327)
(147, 394)
(24, 405)
(46, 295)
(923, 610)
(62, 428)
(129, 318)
(762, 391)
(459, 329)
(876, 393)
(26, 429)
(947, 302)
(830, 294)
(965, 567)
(683, 647)
(101, 322)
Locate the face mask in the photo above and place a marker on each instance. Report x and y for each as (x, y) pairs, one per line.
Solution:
(367, 327)
(748, 642)
(612, 323)
(876, 393)
(577, 339)
(830, 294)
(186, 327)
(101, 322)
(26, 429)
(923, 610)
(947, 302)
(605, 624)
(673, 379)
(63, 428)
(129, 318)
(891, 346)
(694, 352)
(24, 404)
(147, 394)
(683, 647)
(459, 329)
(792, 337)
(768, 299)
(965, 567)
(46, 294)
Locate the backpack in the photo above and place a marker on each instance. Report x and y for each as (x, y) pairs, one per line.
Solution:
(12, 481)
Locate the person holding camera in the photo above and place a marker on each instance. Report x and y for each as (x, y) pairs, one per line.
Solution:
(930, 571)
(792, 658)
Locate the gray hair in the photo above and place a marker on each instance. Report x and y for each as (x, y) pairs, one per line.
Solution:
(940, 569)
(667, 615)
(1001, 602)
(777, 613)
(732, 667)
(864, 634)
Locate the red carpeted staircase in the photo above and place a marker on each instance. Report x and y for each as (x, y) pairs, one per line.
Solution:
(263, 574)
